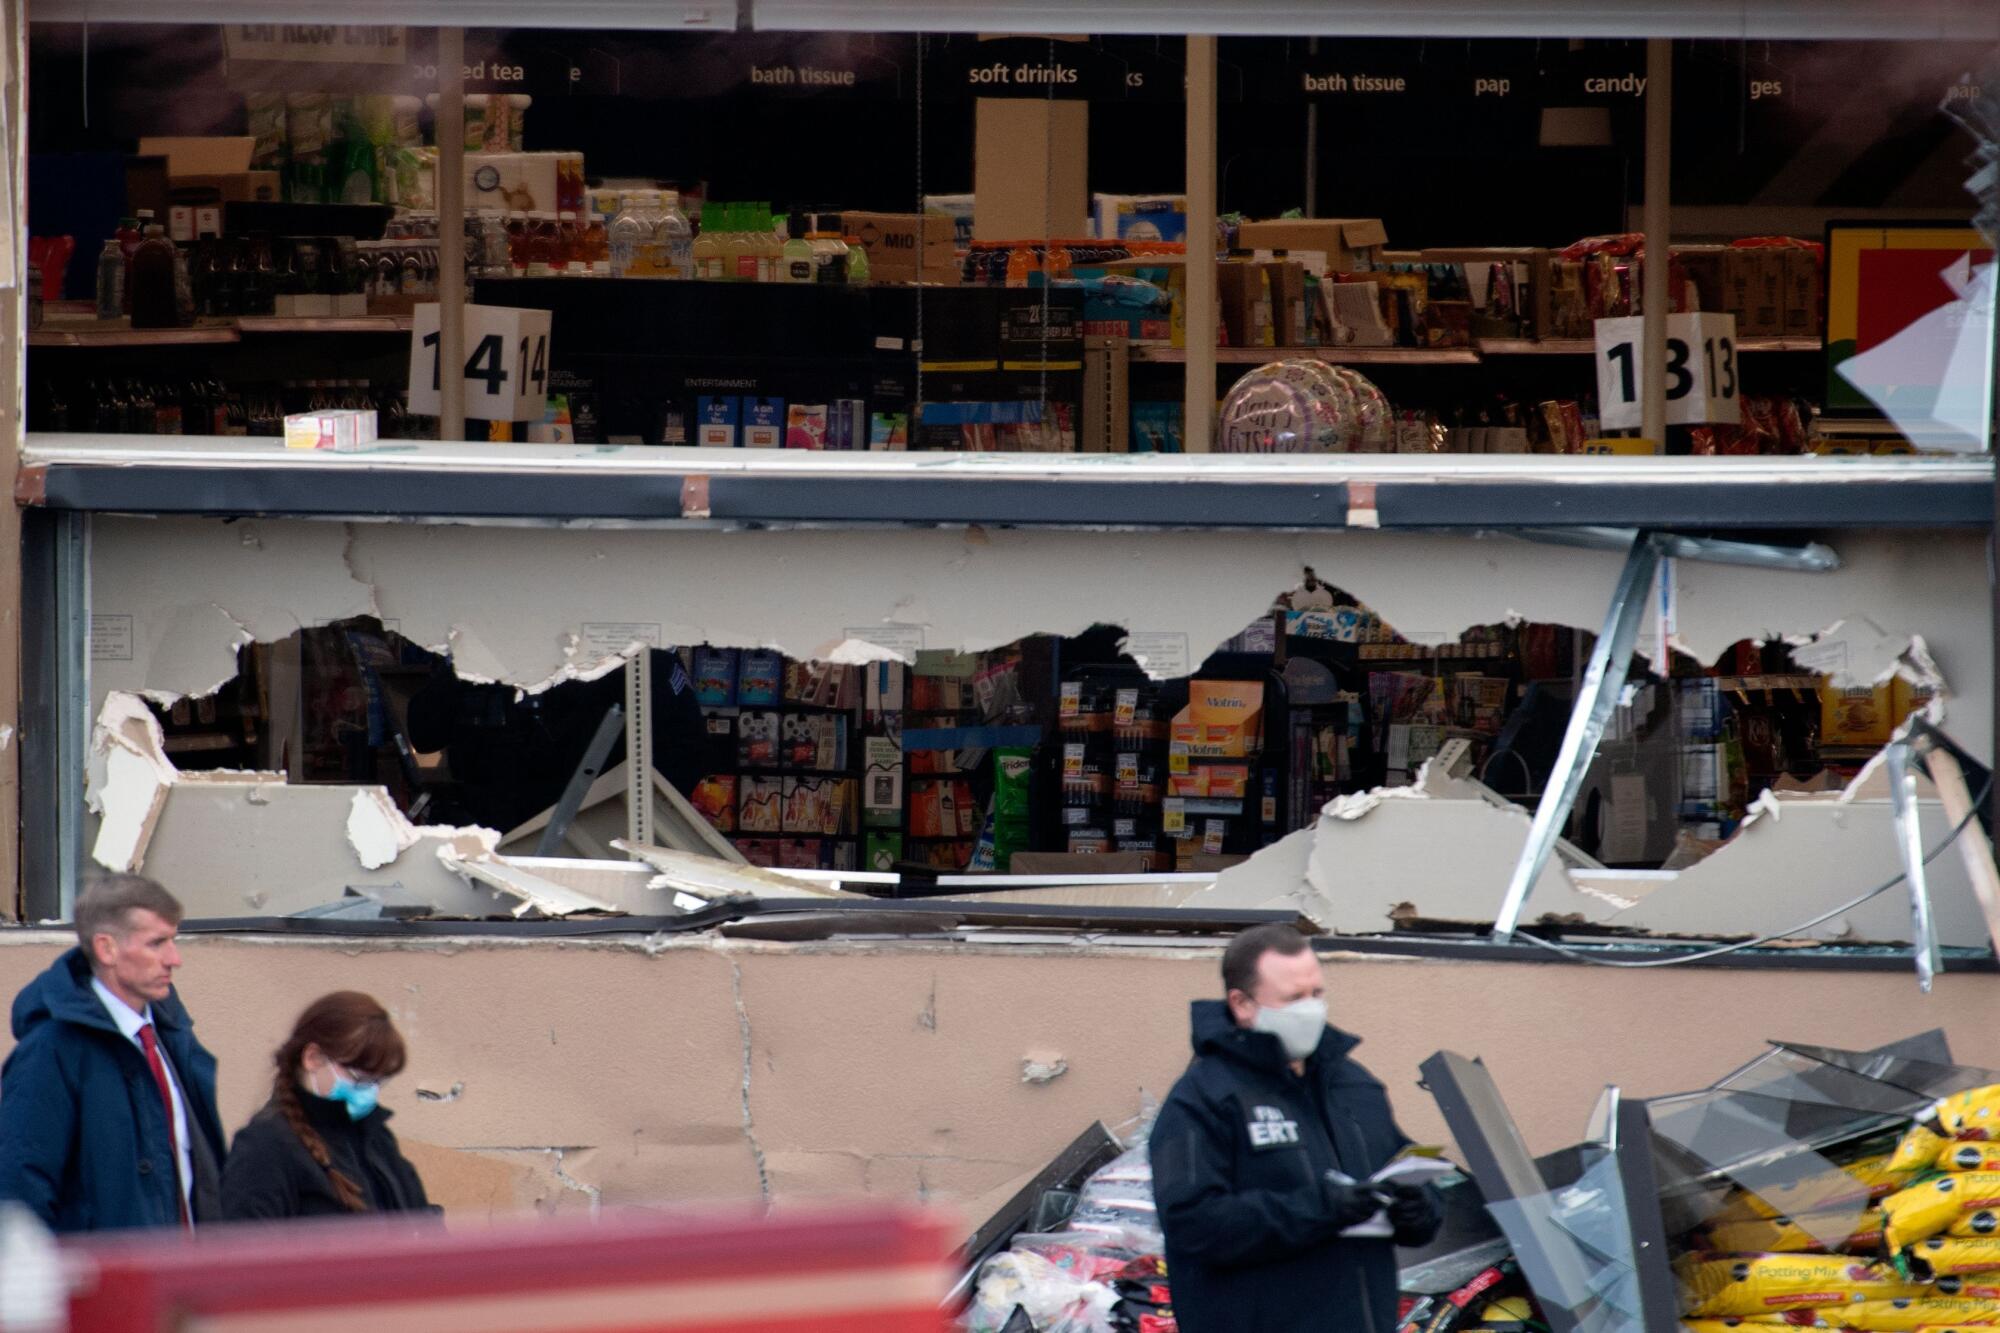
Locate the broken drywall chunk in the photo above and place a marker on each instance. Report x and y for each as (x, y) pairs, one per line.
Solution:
(708, 880)
(376, 829)
(481, 865)
(1042, 1067)
(132, 797)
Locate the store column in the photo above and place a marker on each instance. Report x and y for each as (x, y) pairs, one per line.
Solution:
(13, 322)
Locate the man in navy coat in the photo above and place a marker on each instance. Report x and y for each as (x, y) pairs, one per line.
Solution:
(107, 1102)
(1261, 1158)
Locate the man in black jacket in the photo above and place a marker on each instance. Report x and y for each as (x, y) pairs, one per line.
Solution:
(1254, 1151)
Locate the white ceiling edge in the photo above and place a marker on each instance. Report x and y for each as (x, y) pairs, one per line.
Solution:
(1910, 20)
(670, 15)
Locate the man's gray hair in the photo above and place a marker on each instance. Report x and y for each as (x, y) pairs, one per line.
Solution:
(107, 902)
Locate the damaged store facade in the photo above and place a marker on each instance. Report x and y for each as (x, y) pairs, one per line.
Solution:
(824, 878)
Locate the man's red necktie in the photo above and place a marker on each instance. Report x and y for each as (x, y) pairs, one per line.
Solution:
(151, 1042)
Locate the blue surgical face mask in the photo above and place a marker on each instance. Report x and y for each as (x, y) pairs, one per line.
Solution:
(358, 1095)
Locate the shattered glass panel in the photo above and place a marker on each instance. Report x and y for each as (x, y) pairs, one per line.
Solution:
(1575, 1246)
(1603, 1126)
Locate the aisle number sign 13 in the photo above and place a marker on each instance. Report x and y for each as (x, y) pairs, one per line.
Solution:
(506, 368)
(1701, 371)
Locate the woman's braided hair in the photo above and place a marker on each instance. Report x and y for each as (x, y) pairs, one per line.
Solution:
(352, 1030)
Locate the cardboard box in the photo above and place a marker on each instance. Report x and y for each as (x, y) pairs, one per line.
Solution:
(1243, 295)
(1704, 266)
(1755, 281)
(511, 182)
(218, 163)
(907, 247)
(1347, 243)
(1223, 719)
(1803, 316)
(1858, 716)
(1285, 280)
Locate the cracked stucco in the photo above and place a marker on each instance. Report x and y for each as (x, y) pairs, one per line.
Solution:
(512, 603)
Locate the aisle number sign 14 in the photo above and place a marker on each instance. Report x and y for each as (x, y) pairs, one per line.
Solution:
(1701, 371)
(506, 370)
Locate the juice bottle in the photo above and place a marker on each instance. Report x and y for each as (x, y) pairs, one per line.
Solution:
(707, 249)
(829, 257)
(739, 254)
(798, 264)
(857, 260)
(770, 245)
(596, 247)
(543, 245)
(517, 243)
(150, 283)
(569, 246)
(675, 236)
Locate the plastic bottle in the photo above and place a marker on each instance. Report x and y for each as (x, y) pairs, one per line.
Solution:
(627, 234)
(495, 258)
(517, 243)
(675, 236)
(595, 245)
(111, 280)
(569, 246)
(708, 253)
(130, 232)
(540, 249)
(739, 249)
(764, 240)
(155, 303)
(829, 252)
(857, 261)
(797, 264)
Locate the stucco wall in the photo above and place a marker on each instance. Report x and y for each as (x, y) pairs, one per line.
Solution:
(600, 1067)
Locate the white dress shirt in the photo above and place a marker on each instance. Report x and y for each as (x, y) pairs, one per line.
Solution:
(129, 1021)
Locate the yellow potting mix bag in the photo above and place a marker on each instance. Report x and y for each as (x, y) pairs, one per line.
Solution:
(1756, 1284)
(1945, 1256)
(1969, 1157)
(1931, 1313)
(1872, 1178)
(1809, 1231)
(1928, 1207)
(1972, 1116)
(1985, 1222)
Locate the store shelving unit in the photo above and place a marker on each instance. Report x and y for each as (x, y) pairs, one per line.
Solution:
(1432, 356)
(118, 333)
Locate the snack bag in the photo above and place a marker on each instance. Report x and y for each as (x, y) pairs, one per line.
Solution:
(1943, 1256)
(1935, 1314)
(1929, 1207)
(1757, 1284)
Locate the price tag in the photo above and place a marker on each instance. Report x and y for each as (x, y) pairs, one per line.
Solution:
(506, 369)
(1701, 370)
(1126, 707)
(1173, 815)
(1072, 698)
(1072, 761)
(1177, 757)
(1128, 767)
(1212, 835)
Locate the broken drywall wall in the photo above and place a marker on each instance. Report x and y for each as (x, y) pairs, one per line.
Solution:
(530, 605)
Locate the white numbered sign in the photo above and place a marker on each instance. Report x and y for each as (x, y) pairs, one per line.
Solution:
(506, 368)
(1703, 376)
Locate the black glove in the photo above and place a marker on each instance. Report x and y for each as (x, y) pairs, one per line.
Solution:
(1416, 1212)
(1349, 1205)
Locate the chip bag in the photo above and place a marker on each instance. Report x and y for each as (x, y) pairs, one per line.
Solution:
(1935, 1314)
(1757, 1284)
(1931, 1206)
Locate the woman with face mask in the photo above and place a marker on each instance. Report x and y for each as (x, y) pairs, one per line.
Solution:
(321, 1147)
